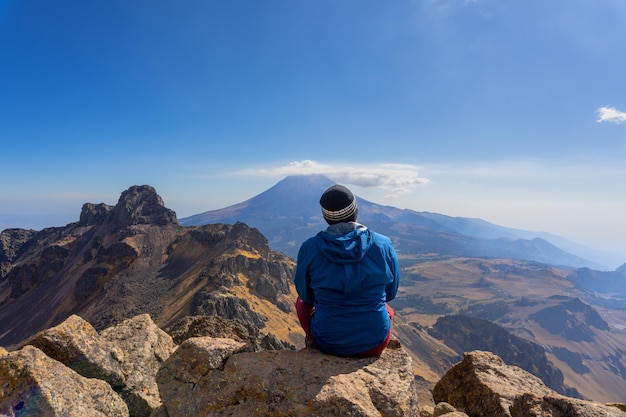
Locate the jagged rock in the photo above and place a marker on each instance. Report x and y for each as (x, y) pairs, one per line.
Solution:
(33, 384)
(214, 326)
(144, 347)
(107, 274)
(209, 376)
(92, 214)
(267, 278)
(50, 262)
(3, 352)
(127, 356)
(132, 258)
(483, 385)
(213, 377)
(109, 261)
(12, 244)
(78, 345)
(271, 342)
(196, 357)
(228, 306)
(141, 204)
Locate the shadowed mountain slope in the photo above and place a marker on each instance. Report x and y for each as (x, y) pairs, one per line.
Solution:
(134, 258)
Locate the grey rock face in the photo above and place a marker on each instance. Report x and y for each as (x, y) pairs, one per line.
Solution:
(127, 356)
(483, 385)
(212, 377)
(33, 384)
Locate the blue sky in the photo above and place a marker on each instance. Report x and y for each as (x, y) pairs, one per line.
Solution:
(513, 111)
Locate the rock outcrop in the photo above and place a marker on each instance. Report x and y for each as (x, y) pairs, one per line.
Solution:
(126, 356)
(203, 376)
(140, 204)
(144, 347)
(76, 344)
(216, 377)
(135, 369)
(12, 244)
(483, 385)
(215, 326)
(33, 384)
(134, 258)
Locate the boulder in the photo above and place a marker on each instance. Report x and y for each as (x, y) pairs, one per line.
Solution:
(483, 385)
(215, 377)
(33, 384)
(127, 356)
(78, 345)
(142, 348)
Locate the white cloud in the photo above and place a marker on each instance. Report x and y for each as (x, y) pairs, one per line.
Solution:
(610, 115)
(396, 178)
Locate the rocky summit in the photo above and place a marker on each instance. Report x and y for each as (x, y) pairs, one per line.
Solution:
(136, 369)
(134, 258)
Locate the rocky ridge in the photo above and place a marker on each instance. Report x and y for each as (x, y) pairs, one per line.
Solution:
(135, 369)
(134, 258)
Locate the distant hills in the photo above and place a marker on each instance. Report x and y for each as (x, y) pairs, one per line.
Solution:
(288, 213)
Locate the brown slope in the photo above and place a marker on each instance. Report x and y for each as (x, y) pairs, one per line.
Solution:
(531, 300)
(133, 258)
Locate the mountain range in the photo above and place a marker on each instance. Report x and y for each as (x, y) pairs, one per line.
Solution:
(288, 213)
(520, 280)
(136, 257)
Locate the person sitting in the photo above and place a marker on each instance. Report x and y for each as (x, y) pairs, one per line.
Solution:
(345, 275)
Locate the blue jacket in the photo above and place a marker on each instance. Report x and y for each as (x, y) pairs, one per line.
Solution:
(348, 273)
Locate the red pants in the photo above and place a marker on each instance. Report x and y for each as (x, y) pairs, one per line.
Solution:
(305, 312)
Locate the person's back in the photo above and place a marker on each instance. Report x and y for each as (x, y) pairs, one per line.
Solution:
(344, 277)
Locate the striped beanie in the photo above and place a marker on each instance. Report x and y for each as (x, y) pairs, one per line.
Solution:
(338, 205)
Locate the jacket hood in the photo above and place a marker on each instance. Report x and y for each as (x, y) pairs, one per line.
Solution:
(345, 242)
